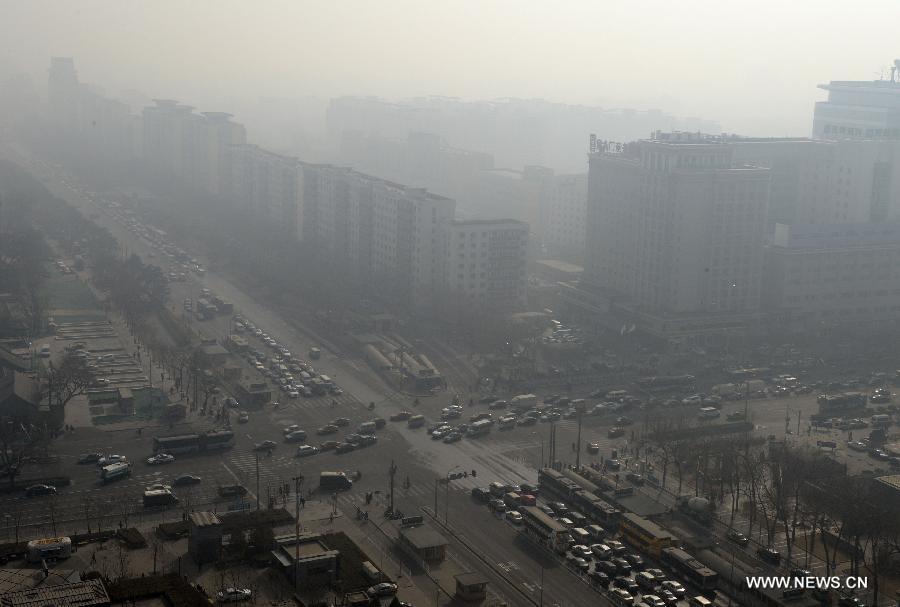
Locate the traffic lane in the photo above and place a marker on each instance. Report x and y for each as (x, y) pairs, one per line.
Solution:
(523, 562)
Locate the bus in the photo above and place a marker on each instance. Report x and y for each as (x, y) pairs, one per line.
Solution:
(49, 548)
(159, 498)
(684, 564)
(479, 428)
(537, 525)
(644, 535)
(115, 472)
(194, 443)
(334, 481)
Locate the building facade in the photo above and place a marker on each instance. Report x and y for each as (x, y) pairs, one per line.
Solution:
(859, 109)
(675, 233)
(823, 275)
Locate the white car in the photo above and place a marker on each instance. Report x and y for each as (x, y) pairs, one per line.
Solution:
(293, 394)
(306, 450)
(601, 551)
(674, 587)
(158, 487)
(160, 458)
(234, 595)
(382, 589)
(514, 517)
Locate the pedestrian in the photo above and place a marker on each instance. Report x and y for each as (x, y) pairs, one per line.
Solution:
(330, 518)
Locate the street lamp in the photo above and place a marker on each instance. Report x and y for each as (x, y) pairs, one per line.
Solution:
(541, 463)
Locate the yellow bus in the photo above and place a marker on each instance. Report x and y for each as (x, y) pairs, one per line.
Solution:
(643, 534)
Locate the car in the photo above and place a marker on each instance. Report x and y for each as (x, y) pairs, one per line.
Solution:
(293, 394)
(593, 448)
(514, 517)
(770, 555)
(382, 589)
(674, 587)
(626, 583)
(615, 432)
(623, 566)
(232, 491)
(850, 601)
(306, 450)
(526, 421)
(737, 537)
(89, 458)
(652, 600)
(187, 479)
(266, 445)
(234, 595)
(327, 429)
(601, 551)
(158, 487)
(341, 422)
(617, 547)
(635, 560)
(402, 416)
(580, 550)
(497, 506)
(291, 428)
(452, 437)
(621, 597)
(243, 417)
(353, 439)
(612, 464)
(344, 447)
(328, 445)
(39, 490)
(598, 577)
(379, 422)
(667, 597)
(296, 436)
(160, 458)
(547, 510)
(106, 460)
(576, 562)
(366, 439)
(232, 402)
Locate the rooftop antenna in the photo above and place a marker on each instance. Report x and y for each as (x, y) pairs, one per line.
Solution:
(894, 69)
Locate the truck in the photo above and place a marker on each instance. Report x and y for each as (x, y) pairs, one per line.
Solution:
(522, 402)
(114, 472)
(334, 481)
(159, 497)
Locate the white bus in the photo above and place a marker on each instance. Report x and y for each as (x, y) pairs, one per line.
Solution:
(543, 529)
(49, 548)
(115, 472)
(482, 426)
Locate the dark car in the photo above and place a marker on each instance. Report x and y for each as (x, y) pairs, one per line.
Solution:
(328, 445)
(615, 432)
(622, 566)
(186, 479)
(266, 445)
(598, 577)
(635, 560)
(626, 583)
(340, 422)
(39, 490)
(327, 429)
(850, 601)
(379, 422)
(738, 538)
(529, 488)
(482, 494)
(90, 458)
(344, 448)
(232, 491)
(607, 567)
(400, 417)
(770, 555)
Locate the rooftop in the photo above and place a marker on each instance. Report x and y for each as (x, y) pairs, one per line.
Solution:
(892, 481)
(470, 579)
(205, 519)
(423, 537)
(89, 593)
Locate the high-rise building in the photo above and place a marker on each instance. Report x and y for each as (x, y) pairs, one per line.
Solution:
(267, 185)
(860, 109)
(486, 264)
(63, 91)
(675, 233)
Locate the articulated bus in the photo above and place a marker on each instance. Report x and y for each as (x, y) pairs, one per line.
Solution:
(194, 443)
(544, 530)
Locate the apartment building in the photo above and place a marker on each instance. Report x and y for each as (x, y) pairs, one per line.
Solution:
(266, 184)
(486, 265)
(859, 109)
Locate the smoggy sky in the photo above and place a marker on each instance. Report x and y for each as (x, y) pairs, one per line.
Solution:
(752, 66)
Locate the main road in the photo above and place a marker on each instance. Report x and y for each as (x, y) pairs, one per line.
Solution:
(485, 542)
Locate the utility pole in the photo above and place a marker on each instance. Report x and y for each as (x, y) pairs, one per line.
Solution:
(392, 471)
(578, 444)
(435, 497)
(257, 480)
(297, 480)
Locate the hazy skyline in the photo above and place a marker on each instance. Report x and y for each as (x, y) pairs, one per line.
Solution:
(753, 68)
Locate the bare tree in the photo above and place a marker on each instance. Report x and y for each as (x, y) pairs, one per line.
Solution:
(20, 440)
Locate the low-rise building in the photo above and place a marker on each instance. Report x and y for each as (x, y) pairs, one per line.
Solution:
(423, 543)
(205, 537)
(307, 560)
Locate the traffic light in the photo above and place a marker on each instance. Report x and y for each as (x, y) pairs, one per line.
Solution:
(474, 473)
